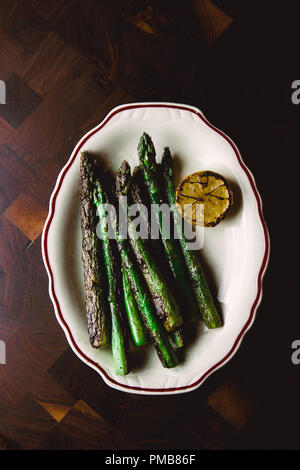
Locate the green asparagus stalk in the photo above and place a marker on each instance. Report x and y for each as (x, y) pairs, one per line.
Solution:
(176, 260)
(138, 330)
(163, 299)
(203, 294)
(119, 337)
(98, 318)
(155, 329)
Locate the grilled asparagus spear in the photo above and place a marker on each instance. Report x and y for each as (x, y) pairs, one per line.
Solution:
(98, 319)
(146, 153)
(203, 295)
(156, 331)
(119, 337)
(164, 301)
(138, 330)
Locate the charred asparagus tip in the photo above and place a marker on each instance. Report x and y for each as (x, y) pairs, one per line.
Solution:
(125, 167)
(167, 162)
(146, 152)
(123, 179)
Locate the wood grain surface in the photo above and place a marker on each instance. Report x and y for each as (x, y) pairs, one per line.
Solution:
(66, 64)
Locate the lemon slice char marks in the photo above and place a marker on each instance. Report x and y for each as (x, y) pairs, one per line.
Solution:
(204, 198)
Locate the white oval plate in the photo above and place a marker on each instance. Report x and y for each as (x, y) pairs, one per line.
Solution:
(235, 252)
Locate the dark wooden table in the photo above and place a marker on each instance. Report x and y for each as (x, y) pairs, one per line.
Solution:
(66, 63)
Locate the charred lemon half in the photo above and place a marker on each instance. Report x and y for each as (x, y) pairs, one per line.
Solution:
(204, 198)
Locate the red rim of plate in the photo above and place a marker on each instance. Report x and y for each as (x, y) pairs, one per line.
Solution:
(50, 274)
